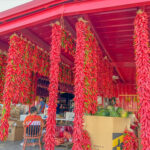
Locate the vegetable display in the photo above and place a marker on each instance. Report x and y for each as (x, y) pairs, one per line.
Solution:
(111, 111)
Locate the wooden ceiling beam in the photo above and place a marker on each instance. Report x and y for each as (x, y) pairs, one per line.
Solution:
(112, 26)
(124, 64)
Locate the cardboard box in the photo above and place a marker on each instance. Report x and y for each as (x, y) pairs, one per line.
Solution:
(106, 132)
(15, 131)
(15, 112)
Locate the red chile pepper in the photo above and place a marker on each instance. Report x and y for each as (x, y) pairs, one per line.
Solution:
(141, 41)
(53, 87)
(79, 85)
(130, 141)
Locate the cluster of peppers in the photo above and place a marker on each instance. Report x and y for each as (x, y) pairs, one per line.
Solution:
(3, 63)
(25, 60)
(130, 141)
(65, 74)
(106, 87)
(100, 67)
(39, 60)
(79, 86)
(17, 80)
(86, 141)
(18, 86)
(33, 87)
(141, 41)
(18, 73)
(107, 80)
(40, 63)
(90, 72)
(53, 87)
(68, 47)
(68, 43)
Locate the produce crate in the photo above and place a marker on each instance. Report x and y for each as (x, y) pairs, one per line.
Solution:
(15, 131)
(106, 132)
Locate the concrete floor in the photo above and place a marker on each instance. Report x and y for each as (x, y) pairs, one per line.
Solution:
(16, 146)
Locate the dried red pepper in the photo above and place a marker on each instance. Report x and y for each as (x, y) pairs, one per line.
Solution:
(90, 72)
(141, 41)
(3, 63)
(79, 85)
(86, 145)
(68, 43)
(53, 87)
(17, 80)
(130, 141)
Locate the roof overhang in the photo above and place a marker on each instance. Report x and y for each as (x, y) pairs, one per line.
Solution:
(41, 11)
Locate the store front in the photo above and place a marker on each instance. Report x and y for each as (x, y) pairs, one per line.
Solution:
(88, 61)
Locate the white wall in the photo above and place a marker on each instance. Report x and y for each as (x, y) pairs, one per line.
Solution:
(8, 4)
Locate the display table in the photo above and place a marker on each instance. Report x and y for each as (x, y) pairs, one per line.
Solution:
(106, 132)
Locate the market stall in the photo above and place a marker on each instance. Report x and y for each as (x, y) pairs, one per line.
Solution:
(90, 55)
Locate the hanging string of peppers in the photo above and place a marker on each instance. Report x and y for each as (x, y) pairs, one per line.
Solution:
(68, 43)
(18, 70)
(53, 87)
(40, 62)
(86, 145)
(107, 78)
(105, 73)
(143, 74)
(17, 80)
(24, 58)
(68, 46)
(3, 63)
(79, 86)
(65, 74)
(33, 87)
(100, 78)
(130, 141)
(90, 72)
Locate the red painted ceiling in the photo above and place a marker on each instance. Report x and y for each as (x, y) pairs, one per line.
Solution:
(114, 29)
